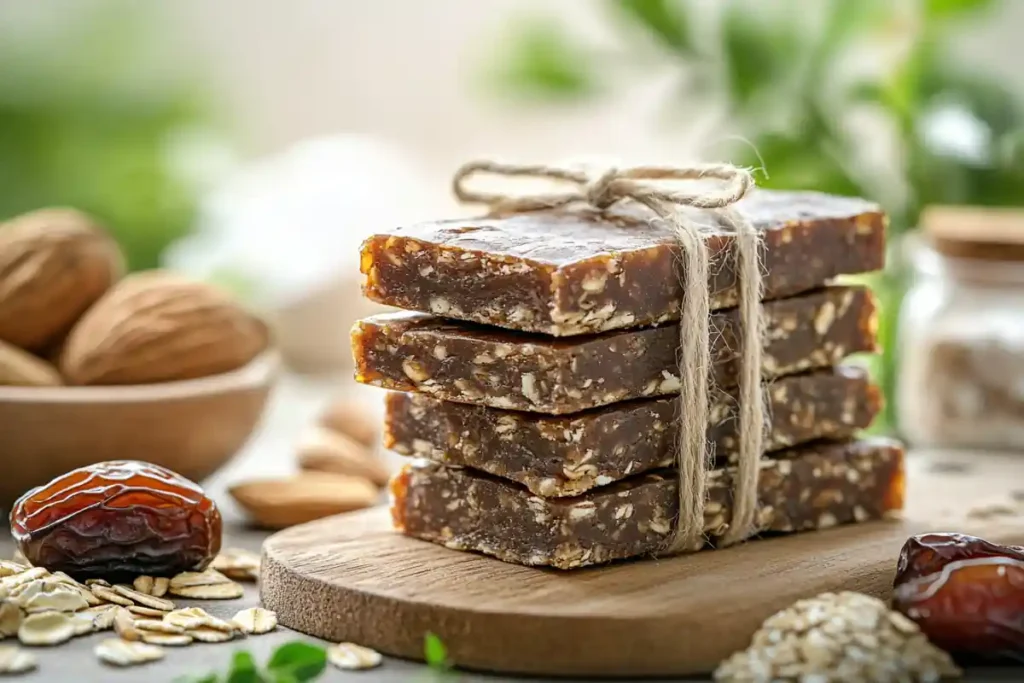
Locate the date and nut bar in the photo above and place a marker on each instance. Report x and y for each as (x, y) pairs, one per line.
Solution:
(468, 363)
(565, 274)
(813, 487)
(567, 456)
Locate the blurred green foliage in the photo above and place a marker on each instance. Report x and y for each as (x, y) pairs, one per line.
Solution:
(89, 109)
(782, 71)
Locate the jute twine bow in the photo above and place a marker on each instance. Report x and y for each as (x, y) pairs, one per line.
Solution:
(693, 455)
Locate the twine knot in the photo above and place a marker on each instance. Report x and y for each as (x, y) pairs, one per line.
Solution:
(693, 458)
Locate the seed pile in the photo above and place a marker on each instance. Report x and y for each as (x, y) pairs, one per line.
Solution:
(834, 638)
(41, 608)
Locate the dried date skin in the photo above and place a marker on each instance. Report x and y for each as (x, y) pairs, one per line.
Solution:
(118, 519)
(926, 554)
(970, 607)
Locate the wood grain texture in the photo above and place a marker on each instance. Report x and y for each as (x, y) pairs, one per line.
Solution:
(352, 578)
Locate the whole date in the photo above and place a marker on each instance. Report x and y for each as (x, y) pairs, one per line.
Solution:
(928, 553)
(965, 593)
(118, 519)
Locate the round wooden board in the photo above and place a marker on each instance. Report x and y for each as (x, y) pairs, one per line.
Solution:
(351, 578)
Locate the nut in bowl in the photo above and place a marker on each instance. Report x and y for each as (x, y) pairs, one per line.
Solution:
(150, 366)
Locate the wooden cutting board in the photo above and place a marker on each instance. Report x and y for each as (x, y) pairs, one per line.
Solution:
(351, 578)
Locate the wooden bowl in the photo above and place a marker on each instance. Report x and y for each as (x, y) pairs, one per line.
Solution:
(193, 427)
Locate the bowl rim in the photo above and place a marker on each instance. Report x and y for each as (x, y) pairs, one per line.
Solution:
(259, 372)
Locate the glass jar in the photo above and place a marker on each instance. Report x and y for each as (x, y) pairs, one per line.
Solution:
(961, 351)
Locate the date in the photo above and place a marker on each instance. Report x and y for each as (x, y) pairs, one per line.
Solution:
(118, 519)
(970, 607)
(928, 553)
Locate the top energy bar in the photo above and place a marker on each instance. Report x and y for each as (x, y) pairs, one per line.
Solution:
(580, 272)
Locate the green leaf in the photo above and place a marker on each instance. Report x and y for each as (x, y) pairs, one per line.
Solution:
(209, 678)
(761, 55)
(435, 653)
(298, 661)
(543, 60)
(944, 9)
(664, 19)
(846, 19)
(243, 669)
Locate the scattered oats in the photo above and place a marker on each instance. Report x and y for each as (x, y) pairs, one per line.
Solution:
(47, 628)
(352, 657)
(144, 584)
(837, 637)
(67, 600)
(214, 591)
(10, 619)
(83, 623)
(9, 568)
(146, 611)
(88, 596)
(123, 653)
(96, 582)
(63, 579)
(204, 578)
(107, 594)
(157, 626)
(205, 634)
(160, 586)
(142, 599)
(171, 639)
(20, 579)
(19, 558)
(124, 624)
(103, 620)
(190, 618)
(255, 620)
(14, 660)
(20, 595)
(238, 564)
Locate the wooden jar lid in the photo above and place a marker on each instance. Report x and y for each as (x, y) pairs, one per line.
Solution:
(994, 234)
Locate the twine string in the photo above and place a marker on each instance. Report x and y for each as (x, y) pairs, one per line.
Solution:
(693, 457)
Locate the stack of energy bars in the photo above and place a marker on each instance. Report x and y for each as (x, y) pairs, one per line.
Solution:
(535, 378)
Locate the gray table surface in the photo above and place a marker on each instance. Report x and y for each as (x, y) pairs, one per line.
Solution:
(294, 404)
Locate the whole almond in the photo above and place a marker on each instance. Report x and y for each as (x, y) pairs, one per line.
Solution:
(350, 417)
(160, 327)
(285, 502)
(323, 450)
(54, 264)
(21, 368)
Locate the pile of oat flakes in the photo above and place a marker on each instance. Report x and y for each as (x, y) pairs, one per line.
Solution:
(43, 608)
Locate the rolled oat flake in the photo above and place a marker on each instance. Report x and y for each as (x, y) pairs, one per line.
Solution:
(837, 638)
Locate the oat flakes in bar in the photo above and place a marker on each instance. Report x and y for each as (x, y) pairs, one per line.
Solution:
(469, 363)
(813, 487)
(568, 456)
(566, 274)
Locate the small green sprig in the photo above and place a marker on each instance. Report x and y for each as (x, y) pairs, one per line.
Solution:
(435, 654)
(294, 662)
(299, 661)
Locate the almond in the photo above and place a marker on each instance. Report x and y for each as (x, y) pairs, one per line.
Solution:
(350, 417)
(54, 263)
(21, 368)
(322, 450)
(280, 503)
(160, 327)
